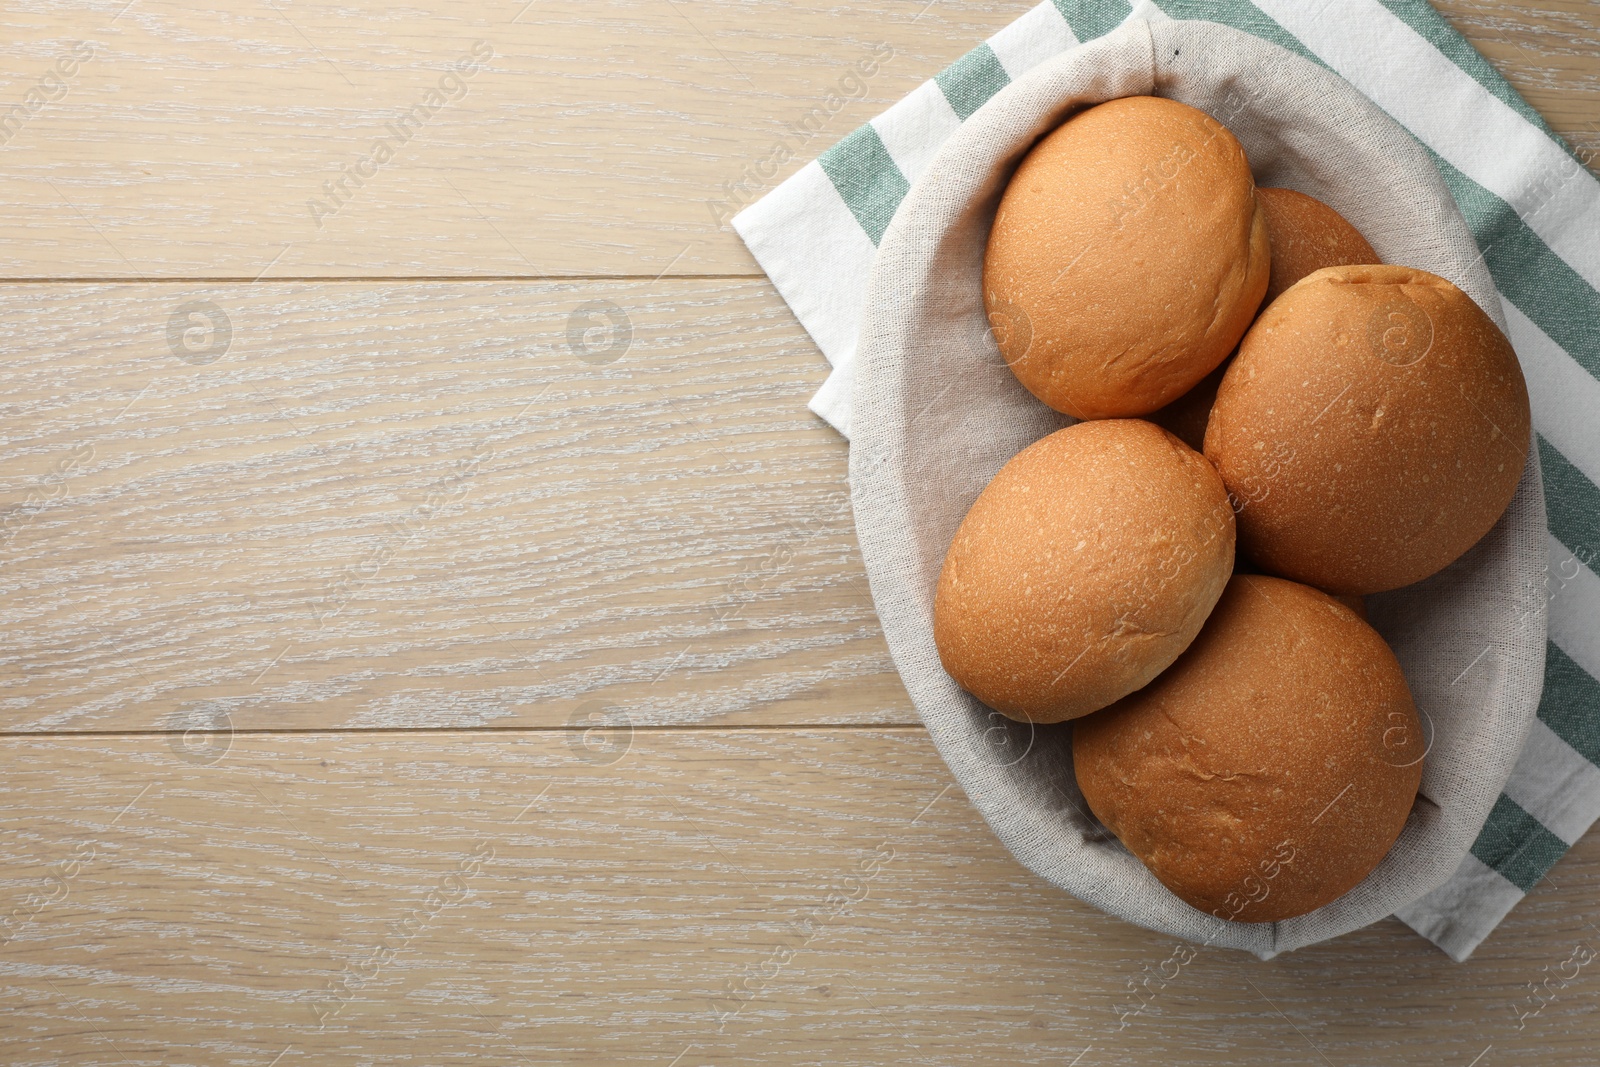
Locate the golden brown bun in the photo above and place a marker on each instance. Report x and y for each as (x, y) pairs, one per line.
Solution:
(1372, 428)
(1131, 244)
(1271, 767)
(1083, 569)
(1307, 235)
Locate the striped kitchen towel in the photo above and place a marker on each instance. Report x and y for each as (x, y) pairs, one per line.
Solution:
(1535, 211)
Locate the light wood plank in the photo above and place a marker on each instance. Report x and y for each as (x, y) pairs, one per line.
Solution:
(769, 896)
(598, 138)
(418, 505)
(603, 136)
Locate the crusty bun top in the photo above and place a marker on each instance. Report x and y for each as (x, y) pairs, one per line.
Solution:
(1307, 235)
(1372, 428)
(1131, 243)
(1082, 570)
(1269, 769)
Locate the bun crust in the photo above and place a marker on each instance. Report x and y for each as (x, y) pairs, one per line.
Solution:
(1083, 569)
(1372, 428)
(1307, 235)
(1269, 769)
(1131, 244)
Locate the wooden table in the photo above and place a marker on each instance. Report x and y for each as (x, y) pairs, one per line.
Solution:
(433, 628)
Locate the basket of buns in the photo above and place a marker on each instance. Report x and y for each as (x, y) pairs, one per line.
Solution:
(1192, 475)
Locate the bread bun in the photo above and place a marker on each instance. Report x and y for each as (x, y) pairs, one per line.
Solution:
(1131, 243)
(1267, 771)
(1084, 568)
(1372, 428)
(1307, 235)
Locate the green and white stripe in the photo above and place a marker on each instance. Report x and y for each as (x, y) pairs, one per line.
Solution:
(1531, 204)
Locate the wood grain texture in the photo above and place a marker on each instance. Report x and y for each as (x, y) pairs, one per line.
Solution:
(1550, 51)
(601, 137)
(424, 505)
(390, 504)
(597, 139)
(730, 897)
